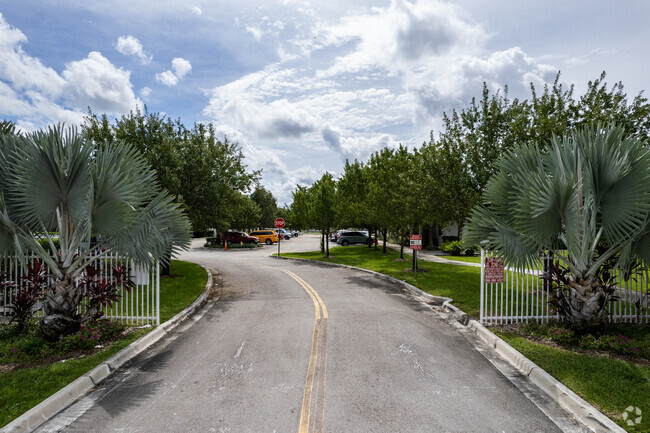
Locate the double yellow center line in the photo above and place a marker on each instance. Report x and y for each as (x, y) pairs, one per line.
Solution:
(317, 364)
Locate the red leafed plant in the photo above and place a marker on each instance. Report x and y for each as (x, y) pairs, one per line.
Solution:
(22, 303)
(103, 292)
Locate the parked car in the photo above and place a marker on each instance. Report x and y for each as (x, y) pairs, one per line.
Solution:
(284, 234)
(347, 238)
(238, 237)
(334, 236)
(266, 236)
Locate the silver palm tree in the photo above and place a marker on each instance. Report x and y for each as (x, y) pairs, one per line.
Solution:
(56, 183)
(585, 198)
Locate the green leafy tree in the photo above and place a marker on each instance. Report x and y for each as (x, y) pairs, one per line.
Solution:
(205, 174)
(299, 211)
(379, 191)
(611, 106)
(323, 208)
(247, 213)
(268, 206)
(213, 177)
(456, 188)
(156, 136)
(584, 198)
(57, 181)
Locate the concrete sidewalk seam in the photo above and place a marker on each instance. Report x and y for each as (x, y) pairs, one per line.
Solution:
(48, 408)
(567, 399)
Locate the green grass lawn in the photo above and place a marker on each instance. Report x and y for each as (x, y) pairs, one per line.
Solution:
(467, 259)
(22, 389)
(458, 282)
(610, 384)
(177, 291)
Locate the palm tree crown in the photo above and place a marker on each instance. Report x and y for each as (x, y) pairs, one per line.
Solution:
(55, 181)
(586, 198)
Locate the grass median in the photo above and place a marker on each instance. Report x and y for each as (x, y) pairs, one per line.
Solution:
(24, 388)
(610, 384)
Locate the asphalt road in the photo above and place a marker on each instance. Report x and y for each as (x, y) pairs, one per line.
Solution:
(295, 347)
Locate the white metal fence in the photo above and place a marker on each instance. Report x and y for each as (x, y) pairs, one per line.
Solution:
(140, 305)
(524, 296)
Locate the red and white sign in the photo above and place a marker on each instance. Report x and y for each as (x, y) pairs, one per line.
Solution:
(494, 269)
(279, 223)
(416, 242)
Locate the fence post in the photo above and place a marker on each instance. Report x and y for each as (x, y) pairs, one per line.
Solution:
(157, 293)
(482, 302)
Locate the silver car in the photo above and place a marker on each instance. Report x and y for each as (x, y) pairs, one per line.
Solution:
(347, 238)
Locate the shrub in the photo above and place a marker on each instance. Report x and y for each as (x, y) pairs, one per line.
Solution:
(102, 292)
(22, 303)
(212, 242)
(90, 335)
(471, 250)
(452, 247)
(45, 244)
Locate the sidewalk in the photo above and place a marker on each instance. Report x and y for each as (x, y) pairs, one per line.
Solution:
(430, 256)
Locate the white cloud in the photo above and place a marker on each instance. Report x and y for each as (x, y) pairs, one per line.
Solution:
(97, 83)
(130, 46)
(36, 95)
(167, 78)
(145, 92)
(181, 68)
(348, 86)
(256, 32)
(22, 71)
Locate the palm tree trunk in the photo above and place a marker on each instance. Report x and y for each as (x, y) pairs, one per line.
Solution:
(584, 301)
(60, 308)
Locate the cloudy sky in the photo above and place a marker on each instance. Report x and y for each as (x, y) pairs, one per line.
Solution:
(303, 85)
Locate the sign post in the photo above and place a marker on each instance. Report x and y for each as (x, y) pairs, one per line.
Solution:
(279, 223)
(416, 244)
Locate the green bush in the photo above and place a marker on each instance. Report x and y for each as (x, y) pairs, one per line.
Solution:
(452, 247)
(471, 250)
(46, 245)
(29, 346)
(212, 242)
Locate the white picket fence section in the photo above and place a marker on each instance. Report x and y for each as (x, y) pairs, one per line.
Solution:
(139, 306)
(523, 296)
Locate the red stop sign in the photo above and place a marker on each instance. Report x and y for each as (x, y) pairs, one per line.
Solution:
(279, 223)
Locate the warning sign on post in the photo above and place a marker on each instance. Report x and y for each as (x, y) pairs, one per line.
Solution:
(494, 269)
(416, 242)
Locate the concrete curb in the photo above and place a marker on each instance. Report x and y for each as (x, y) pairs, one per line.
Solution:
(57, 402)
(558, 392)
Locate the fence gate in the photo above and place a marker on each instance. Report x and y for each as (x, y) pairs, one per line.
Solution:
(516, 296)
(139, 306)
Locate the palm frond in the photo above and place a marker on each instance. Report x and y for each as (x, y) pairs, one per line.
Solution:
(52, 172)
(589, 189)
